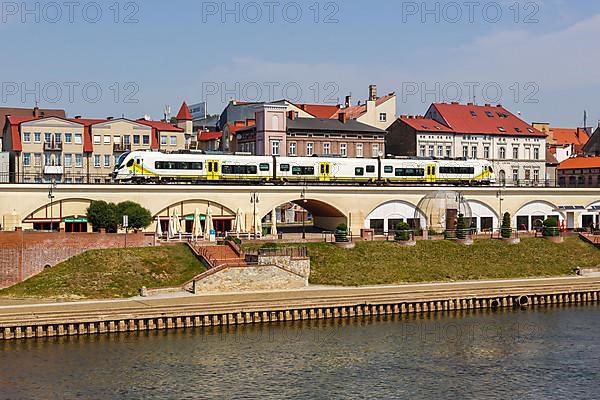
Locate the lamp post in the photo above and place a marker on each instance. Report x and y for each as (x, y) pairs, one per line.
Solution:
(254, 200)
(304, 201)
(500, 199)
(51, 198)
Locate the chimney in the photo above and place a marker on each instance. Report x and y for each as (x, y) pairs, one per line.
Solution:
(349, 101)
(343, 117)
(455, 102)
(78, 117)
(372, 92)
(36, 112)
(469, 104)
(488, 105)
(109, 118)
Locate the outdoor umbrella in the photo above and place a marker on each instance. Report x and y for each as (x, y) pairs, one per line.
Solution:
(274, 222)
(159, 231)
(208, 224)
(197, 227)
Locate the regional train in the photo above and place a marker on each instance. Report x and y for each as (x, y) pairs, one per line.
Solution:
(156, 167)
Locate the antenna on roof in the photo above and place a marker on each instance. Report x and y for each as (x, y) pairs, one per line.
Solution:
(585, 119)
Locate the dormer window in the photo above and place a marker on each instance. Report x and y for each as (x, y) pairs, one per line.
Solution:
(518, 130)
(501, 129)
(473, 114)
(489, 114)
(530, 130)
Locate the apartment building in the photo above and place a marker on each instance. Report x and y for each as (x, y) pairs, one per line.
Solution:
(78, 150)
(516, 149)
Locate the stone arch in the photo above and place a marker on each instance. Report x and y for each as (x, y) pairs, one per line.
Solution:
(484, 217)
(325, 215)
(591, 215)
(59, 214)
(532, 213)
(223, 217)
(386, 215)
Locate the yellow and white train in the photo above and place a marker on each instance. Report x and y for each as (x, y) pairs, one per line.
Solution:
(156, 167)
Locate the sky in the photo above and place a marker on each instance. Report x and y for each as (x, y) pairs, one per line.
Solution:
(132, 58)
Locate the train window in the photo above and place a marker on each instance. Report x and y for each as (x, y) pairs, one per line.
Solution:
(420, 172)
(179, 165)
(388, 169)
(370, 169)
(239, 169)
(284, 167)
(491, 170)
(322, 168)
(457, 170)
(303, 170)
(265, 167)
(130, 163)
(359, 171)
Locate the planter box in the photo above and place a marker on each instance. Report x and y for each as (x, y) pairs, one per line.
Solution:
(345, 245)
(555, 239)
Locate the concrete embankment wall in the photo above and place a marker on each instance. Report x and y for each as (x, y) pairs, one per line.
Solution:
(45, 323)
(25, 254)
(248, 278)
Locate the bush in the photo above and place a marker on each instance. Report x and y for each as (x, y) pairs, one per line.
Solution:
(506, 230)
(103, 215)
(269, 246)
(402, 232)
(461, 227)
(234, 239)
(550, 227)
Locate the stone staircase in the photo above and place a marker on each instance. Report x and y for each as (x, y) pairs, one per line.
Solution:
(219, 255)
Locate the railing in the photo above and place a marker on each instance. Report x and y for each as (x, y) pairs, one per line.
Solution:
(53, 146)
(293, 252)
(121, 147)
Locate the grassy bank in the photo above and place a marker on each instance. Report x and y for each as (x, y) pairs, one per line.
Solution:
(102, 274)
(372, 263)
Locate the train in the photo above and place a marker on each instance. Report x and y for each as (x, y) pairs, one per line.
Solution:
(157, 167)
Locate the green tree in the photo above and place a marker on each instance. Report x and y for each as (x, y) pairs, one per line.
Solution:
(139, 217)
(402, 232)
(103, 215)
(506, 226)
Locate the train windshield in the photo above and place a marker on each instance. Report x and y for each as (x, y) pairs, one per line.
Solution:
(120, 160)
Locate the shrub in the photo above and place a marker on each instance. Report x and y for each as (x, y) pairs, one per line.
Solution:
(461, 227)
(402, 232)
(234, 239)
(506, 230)
(341, 233)
(550, 227)
(269, 246)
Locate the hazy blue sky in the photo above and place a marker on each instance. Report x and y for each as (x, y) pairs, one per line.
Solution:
(543, 58)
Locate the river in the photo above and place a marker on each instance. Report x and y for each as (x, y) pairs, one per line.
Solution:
(547, 353)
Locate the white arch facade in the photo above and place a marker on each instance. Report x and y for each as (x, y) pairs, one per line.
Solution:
(387, 215)
(533, 214)
(484, 218)
(591, 215)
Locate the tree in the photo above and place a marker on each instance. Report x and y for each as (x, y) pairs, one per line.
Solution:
(402, 232)
(103, 215)
(550, 227)
(139, 217)
(506, 230)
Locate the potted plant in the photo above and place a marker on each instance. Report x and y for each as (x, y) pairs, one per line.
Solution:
(461, 227)
(341, 233)
(506, 230)
(550, 230)
(402, 232)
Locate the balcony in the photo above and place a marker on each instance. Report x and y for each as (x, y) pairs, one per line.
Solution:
(121, 148)
(53, 146)
(53, 170)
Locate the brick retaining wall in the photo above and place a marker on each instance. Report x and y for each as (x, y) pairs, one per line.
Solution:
(25, 254)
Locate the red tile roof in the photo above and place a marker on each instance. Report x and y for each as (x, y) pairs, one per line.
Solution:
(184, 113)
(160, 125)
(488, 120)
(574, 136)
(27, 112)
(580, 163)
(208, 136)
(354, 112)
(320, 110)
(425, 124)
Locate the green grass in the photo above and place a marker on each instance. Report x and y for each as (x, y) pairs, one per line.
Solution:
(373, 263)
(102, 274)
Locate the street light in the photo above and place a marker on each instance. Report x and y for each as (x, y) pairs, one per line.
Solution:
(51, 198)
(304, 201)
(500, 199)
(254, 200)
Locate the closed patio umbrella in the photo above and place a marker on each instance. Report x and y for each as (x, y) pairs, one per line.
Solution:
(274, 222)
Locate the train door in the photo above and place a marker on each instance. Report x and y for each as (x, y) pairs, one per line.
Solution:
(324, 172)
(431, 175)
(212, 170)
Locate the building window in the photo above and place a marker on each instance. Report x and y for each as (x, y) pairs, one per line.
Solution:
(173, 140)
(38, 159)
(465, 151)
(136, 139)
(536, 153)
(163, 140)
(440, 151)
(126, 140)
(344, 149)
(359, 150)
(292, 148)
(26, 159)
(422, 150)
(528, 153)
(78, 138)
(78, 160)
(68, 138)
(326, 148)
(146, 140)
(47, 137)
(26, 137)
(486, 152)
(474, 152)
(68, 160)
(37, 137)
(382, 117)
(309, 149)
(97, 160)
(430, 148)
(375, 150)
(536, 175)
(527, 174)
(275, 147)
(448, 151)
(106, 139)
(58, 137)
(107, 160)
(502, 153)
(47, 159)
(515, 174)
(97, 139)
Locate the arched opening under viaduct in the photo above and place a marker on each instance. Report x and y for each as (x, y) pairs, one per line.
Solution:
(68, 215)
(221, 218)
(304, 216)
(385, 217)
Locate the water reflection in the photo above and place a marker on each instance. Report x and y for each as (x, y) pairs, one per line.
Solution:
(548, 353)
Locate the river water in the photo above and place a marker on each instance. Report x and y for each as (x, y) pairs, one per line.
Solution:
(549, 353)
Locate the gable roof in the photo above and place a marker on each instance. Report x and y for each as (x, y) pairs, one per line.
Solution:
(27, 112)
(319, 110)
(487, 120)
(208, 136)
(580, 162)
(575, 136)
(184, 113)
(425, 124)
(354, 112)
